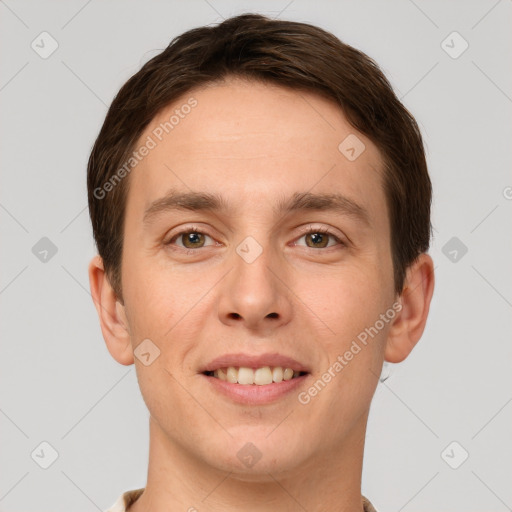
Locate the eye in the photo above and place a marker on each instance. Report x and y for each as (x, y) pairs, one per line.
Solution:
(318, 238)
(191, 238)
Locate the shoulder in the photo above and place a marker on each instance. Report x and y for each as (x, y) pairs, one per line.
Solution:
(125, 500)
(368, 507)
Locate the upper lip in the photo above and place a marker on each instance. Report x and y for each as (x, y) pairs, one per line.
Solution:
(254, 361)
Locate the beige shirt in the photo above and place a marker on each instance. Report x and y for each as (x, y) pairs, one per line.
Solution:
(126, 499)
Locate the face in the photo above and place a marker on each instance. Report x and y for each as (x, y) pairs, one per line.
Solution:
(268, 273)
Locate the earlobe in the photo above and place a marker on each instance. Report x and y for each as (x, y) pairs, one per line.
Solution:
(113, 321)
(408, 326)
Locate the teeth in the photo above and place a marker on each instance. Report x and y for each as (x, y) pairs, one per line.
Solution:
(259, 376)
(245, 376)
(232, 375)
(288, 374)
(262, 376)
(277, 374)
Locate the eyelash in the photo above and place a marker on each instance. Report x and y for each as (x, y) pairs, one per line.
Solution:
(305, 231)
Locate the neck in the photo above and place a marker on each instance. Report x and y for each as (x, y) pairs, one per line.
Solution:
(177, 480)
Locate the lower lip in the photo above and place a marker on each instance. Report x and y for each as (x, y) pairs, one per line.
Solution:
(252, 394)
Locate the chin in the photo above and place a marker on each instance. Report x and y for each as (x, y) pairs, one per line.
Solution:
(253, 453)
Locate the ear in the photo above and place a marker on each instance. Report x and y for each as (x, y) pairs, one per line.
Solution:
(409, 324)
(111, 312)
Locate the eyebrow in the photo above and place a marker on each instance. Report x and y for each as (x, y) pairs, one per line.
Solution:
(300, 201)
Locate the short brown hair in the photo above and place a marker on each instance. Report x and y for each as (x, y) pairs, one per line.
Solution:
(296, 55)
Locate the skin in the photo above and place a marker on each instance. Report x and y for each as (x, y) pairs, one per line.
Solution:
(253, 144)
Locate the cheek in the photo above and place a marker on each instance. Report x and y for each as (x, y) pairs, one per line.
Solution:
(169, 309)
(351, 305)
(349, 300)
(352, 308)
(155, 298)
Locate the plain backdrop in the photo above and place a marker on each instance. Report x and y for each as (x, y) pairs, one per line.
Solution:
(66, 404)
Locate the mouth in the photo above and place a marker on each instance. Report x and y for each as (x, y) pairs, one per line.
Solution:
(262, 376)
(255, 379)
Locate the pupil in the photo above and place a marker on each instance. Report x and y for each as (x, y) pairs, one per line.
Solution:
(317, 238)
(191, 236)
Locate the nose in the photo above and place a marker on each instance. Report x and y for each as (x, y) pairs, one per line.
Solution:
(254, 294)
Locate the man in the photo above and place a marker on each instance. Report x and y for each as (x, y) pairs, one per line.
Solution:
(261, 206)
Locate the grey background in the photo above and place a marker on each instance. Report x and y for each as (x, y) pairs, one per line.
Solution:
(58, 382)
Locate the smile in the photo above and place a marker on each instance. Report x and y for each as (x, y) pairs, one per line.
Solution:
(254, 376)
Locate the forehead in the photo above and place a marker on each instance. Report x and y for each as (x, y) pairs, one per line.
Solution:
(252, 141)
